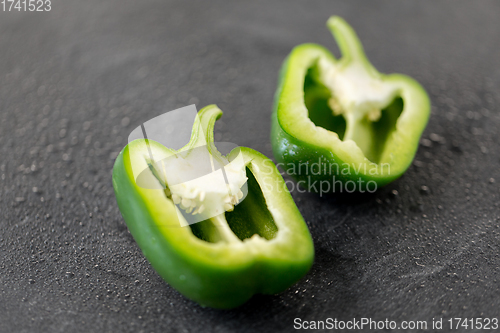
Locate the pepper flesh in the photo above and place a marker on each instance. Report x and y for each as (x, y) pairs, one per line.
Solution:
(351, 122)
(263, 246)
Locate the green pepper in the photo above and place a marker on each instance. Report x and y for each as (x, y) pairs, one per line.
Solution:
(241, 246)
(340, 125)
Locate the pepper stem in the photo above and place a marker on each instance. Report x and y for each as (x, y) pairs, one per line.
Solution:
(203, 128)
(349, 44)
(203, 132)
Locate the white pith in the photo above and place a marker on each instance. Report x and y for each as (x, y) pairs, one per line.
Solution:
(355, 93)
(209, 194)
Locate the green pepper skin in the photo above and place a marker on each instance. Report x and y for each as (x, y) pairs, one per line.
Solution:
(300, 146)
(219, 275)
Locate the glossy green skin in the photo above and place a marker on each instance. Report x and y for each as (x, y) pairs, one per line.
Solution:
(219, 275)
(295, 150)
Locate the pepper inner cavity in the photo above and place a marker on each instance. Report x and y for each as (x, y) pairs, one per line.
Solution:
(355, 106)
(216, 200)
(250, 218)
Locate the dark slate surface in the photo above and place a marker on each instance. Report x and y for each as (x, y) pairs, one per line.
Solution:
(75, 81)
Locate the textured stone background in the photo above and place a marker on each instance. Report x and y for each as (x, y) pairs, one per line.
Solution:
(75, 81)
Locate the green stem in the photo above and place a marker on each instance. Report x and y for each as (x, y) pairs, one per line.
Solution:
(203, 128)
(349, 44)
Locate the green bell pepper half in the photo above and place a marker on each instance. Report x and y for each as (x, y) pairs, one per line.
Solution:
(340, 125)
(260, 245)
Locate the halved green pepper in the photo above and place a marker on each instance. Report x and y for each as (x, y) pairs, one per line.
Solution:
(340, 124)
(258, 245)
